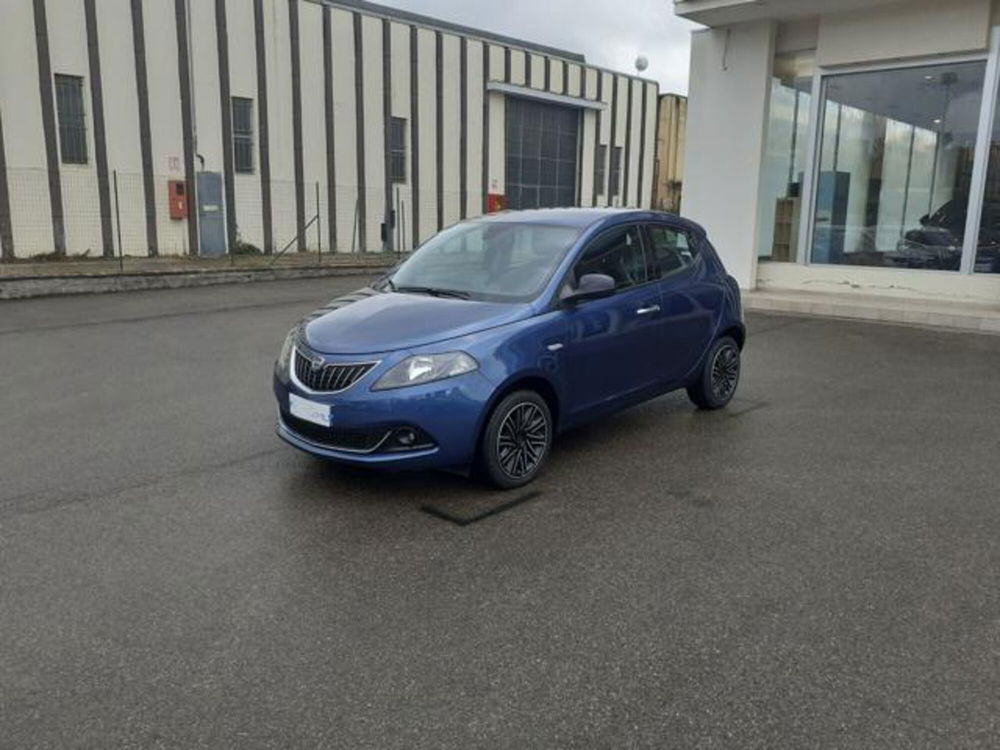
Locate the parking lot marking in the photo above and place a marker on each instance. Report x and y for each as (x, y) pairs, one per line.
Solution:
(466, 520)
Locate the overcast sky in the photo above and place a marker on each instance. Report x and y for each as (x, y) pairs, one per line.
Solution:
(609, 33)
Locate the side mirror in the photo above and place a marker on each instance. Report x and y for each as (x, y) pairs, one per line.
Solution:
(591, 286)
(924, 219)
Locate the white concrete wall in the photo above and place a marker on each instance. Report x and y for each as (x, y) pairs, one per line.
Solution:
(23, 134)
(921, 29)
(606, 91)
(517, 67)
(243, 83)
(371, 60)
(114, 19)
(166, 130)
(588, 123)
(497, 112)
(25, 145)
(727, 110)
(649, 153)
(632, 139)
(279, 119)
(537, 63)
(345, 129)
(451, 122)
(313, 121)
(474, 133)
(574, 78)
(68, 55)
(427, 106)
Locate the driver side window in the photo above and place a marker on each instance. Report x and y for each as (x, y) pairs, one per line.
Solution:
(616, 253)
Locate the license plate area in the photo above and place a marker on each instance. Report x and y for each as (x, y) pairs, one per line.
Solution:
(310, 411)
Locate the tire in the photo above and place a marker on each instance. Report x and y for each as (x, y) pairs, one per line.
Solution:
(720, 375)
(516, 441)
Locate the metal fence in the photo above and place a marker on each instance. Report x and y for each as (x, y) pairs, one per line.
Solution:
(100, 235)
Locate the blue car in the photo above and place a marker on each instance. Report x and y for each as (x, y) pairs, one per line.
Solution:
(502, 331)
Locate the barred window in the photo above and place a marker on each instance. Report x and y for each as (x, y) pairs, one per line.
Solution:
(72, 122)
(600, 159)
(397, 149)
(243, 134)
(616, 171)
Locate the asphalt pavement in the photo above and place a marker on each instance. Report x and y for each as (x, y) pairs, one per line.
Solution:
(817, 566)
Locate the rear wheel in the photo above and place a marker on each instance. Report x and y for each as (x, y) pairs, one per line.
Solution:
(720, 374)
(516, 440)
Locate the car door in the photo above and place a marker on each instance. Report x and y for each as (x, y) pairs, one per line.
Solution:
(690, 295)
(612, 343)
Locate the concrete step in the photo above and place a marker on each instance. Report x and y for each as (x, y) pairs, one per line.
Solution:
(939, 314)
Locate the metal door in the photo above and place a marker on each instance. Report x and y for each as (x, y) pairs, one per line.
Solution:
(542, 142)
(211, 215)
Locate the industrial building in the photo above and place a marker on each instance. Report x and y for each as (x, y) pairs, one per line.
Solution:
(154, 127)
(848, 145)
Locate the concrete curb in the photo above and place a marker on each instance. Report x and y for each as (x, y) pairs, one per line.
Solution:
(45, 286)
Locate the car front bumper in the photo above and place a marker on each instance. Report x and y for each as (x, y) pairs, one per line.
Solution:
(447, 414)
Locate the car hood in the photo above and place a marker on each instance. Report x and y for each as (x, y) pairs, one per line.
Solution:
(386, 322)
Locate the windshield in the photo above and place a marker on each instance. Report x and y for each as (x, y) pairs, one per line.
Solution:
(500, 261)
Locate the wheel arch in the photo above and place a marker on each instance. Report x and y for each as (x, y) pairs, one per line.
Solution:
(532, 381)
(736, 332)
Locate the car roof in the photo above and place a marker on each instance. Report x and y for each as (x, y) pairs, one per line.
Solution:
(582, 218)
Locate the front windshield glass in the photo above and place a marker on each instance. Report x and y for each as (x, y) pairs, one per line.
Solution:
(489, 260)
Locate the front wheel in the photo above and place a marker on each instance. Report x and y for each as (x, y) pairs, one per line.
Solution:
(720, 374)
(516, 440)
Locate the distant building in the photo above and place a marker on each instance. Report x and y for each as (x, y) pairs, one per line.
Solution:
(183, 126)
(838, 145)
(669, 171)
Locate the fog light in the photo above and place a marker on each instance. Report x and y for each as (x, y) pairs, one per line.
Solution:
(406, 437)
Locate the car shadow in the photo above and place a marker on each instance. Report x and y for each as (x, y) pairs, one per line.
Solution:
(602, 440)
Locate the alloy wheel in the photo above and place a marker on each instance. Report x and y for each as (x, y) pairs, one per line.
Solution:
(725, 372)
(522, 439)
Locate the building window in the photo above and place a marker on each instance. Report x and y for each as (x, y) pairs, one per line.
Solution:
(616, 172)
(895, 166)
(600, 159)
(72, 123)
(987, 246)
(243, 134)
(397, 149)
(785, 156)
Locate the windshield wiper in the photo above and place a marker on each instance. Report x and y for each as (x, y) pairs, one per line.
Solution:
(433, 291)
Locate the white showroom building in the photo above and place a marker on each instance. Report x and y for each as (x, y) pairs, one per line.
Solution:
(155, 127)
(848, 145)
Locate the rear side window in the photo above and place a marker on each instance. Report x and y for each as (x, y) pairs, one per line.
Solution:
(617, 253)
(671, 250)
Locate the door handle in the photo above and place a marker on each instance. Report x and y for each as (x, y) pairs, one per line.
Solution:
(647, 310)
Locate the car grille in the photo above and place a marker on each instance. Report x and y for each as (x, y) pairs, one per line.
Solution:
(327, 377)
(339, 438)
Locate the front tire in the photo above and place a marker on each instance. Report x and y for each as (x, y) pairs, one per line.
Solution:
(516, 440)
(719, 376)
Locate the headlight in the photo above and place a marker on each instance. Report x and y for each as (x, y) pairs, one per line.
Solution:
(285, 357)
(426, 368)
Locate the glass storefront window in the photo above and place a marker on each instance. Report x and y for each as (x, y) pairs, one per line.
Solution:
(785, 157)
(988, 243)
(895, 162)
